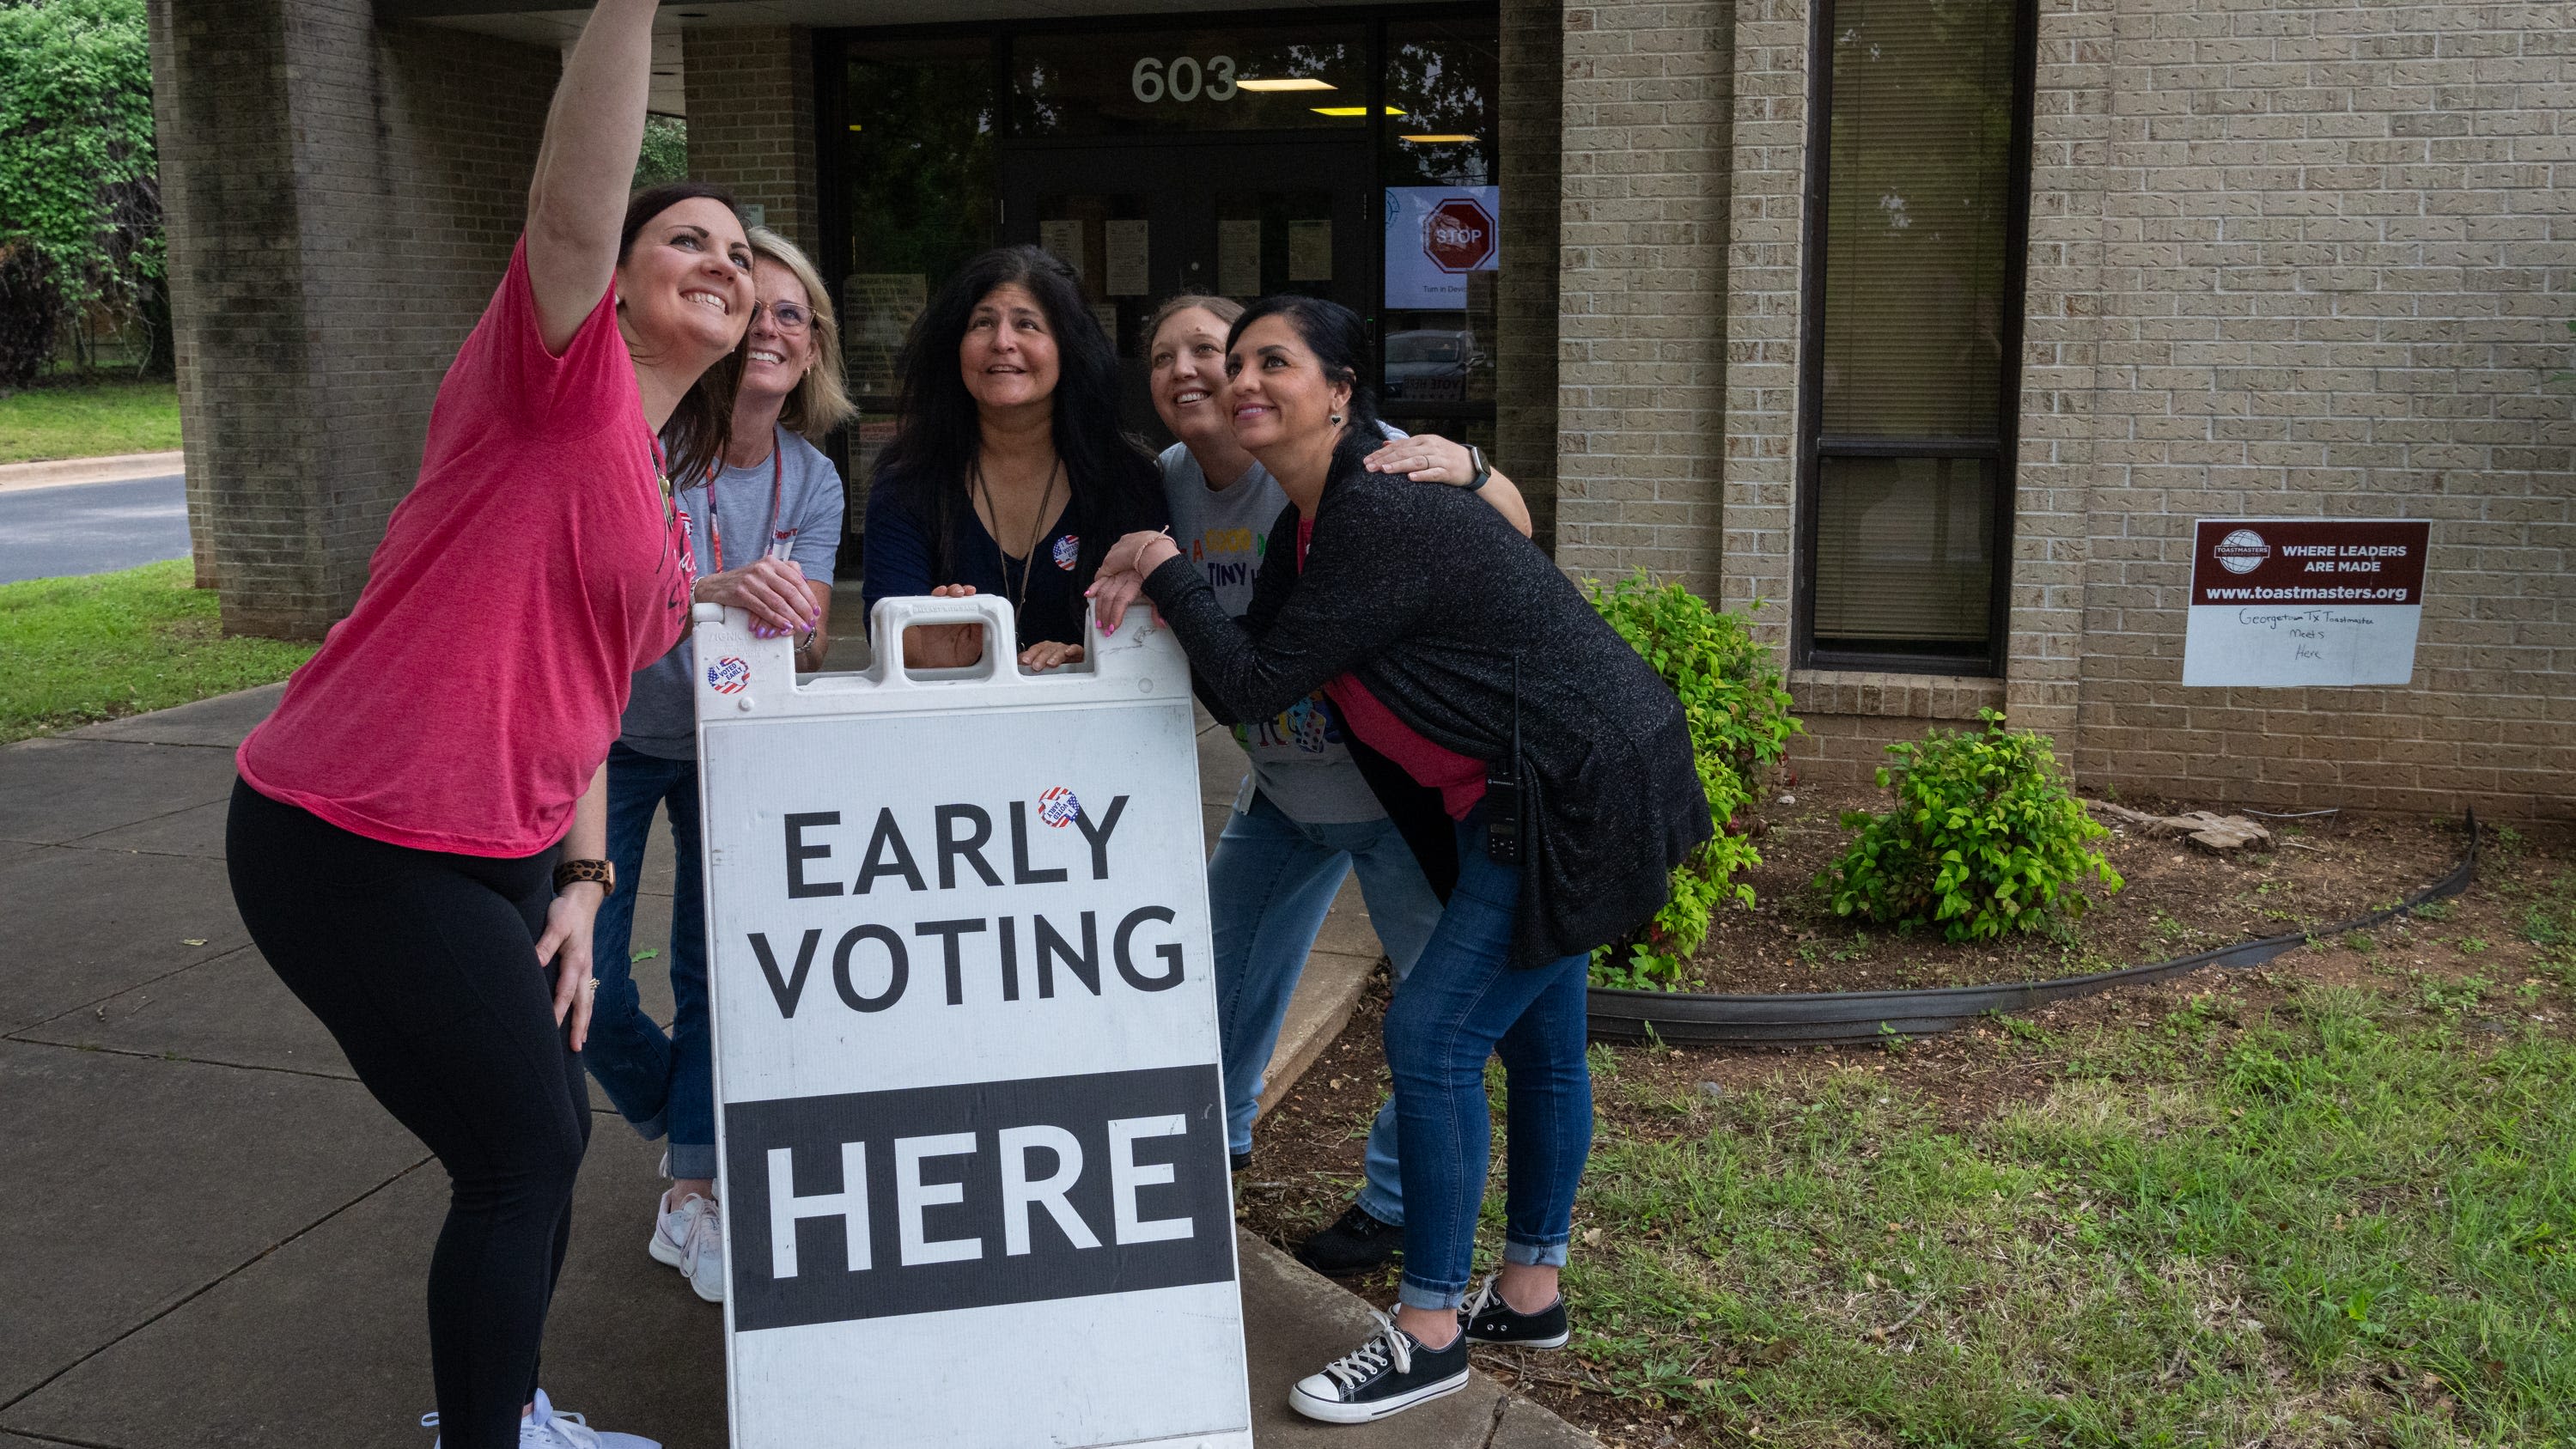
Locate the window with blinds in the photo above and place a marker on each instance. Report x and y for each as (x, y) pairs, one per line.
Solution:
(1921, 155)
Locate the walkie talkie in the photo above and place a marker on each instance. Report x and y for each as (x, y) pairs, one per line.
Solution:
(1503, 789)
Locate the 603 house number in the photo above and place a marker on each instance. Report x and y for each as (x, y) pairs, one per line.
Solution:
(1182, 79)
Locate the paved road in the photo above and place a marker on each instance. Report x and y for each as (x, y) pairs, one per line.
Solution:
(91, 528)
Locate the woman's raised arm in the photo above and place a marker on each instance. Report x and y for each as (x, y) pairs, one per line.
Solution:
(586, 165)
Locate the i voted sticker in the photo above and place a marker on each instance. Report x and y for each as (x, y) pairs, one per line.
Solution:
(1057, 807)
(1067, 550)
(728, 675)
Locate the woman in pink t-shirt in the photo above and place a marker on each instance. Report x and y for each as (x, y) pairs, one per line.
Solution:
(417, 843)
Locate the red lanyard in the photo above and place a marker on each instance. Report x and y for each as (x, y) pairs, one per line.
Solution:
(778, 537)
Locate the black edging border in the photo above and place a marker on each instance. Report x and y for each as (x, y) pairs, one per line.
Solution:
(1850, 1018)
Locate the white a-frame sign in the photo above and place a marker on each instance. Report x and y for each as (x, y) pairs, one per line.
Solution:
(972, 1131)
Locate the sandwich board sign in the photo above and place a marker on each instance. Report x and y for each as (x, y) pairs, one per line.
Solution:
(969, 1116)
(2278, 603)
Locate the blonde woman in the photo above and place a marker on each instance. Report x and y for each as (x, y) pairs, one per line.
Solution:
(767, 522)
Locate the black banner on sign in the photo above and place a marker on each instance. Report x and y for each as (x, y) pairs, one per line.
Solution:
(880, 1204)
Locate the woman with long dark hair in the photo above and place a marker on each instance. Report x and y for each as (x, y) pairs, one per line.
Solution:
(417, 840)
(1008, 473)
(1454, 648)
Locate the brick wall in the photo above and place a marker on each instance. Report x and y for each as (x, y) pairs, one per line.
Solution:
(1643, 325)
(1526, 371)
(342, 199)
(751, 121)
(2304, 259)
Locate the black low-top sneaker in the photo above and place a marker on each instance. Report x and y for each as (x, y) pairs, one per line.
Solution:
(1354, 1243)
(1488, 1319)
(1389, 1374)
(1241, 1160)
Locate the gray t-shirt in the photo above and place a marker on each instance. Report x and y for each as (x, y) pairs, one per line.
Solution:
(661, 712)
(1298, 758)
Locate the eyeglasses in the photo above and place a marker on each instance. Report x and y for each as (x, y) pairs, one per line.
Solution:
(789, 316)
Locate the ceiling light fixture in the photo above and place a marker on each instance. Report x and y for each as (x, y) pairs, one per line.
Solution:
(1294, 83)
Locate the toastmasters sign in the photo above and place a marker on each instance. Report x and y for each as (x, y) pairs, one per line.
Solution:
(2277, 602)
(970, 1118)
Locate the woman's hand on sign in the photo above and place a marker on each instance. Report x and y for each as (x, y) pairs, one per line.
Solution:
(772, 590)
(566, 943)
(1122, 575)
(1047, 654)
(944, 646)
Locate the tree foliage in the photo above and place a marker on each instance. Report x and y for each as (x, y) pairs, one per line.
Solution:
(665, 156)
(80, 195)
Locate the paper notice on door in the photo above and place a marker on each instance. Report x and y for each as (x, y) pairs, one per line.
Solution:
(1238, 258)
(1106, 314)
(1064, 239)
(1127, 260)
(1310, 251)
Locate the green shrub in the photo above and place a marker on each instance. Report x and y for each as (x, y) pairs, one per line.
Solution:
(1984, 839)
(1731, 692)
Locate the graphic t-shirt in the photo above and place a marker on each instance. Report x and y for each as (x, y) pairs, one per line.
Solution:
(1298, 756)
(472, 692)
(662, 716)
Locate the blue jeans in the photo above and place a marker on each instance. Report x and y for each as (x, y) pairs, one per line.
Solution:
(1270, 884)
(1465, 1002)
(660, 1083)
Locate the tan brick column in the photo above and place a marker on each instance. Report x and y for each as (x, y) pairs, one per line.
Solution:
(751, 122)
(1642, 382)
(342, 198)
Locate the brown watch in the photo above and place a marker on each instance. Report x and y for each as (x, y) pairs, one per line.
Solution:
(601, 871)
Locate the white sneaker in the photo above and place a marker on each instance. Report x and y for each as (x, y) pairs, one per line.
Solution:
(706, 1264)
(546, 1429)
(690, 1238)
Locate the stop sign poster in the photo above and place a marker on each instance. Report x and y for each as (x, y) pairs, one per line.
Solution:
(2282, 602)
(969, 1113)
(1435, 236)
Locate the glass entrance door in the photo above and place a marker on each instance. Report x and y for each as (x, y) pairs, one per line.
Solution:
(1142, 223)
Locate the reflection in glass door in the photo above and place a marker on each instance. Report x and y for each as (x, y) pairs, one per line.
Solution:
(1140, 224)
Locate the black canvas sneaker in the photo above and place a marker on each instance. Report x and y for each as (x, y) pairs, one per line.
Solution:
(1387, 1375)
(1241, 1160)
(1354, 1243)
(1488, 1319)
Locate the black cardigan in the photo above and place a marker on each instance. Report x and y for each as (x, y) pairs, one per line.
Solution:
(1426, 594)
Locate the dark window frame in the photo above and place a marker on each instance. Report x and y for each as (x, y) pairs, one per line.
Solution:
(1815, 446)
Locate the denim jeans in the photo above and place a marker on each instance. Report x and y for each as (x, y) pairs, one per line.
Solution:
(1270, 884)
(1466, 1002)
(659, 1082)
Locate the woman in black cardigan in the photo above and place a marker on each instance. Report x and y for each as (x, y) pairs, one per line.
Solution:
(1454, 648)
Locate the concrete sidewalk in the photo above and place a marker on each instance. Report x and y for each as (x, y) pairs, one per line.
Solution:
(222, 1236)
(113, 468)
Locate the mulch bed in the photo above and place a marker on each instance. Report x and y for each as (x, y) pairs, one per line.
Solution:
(2179, 899)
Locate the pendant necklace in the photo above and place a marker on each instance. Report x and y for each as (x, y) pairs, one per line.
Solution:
(1037, 529)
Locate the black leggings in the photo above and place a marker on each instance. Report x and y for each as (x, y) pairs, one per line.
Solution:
(422, 965)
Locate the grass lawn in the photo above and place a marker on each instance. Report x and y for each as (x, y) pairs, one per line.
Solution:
(2327, 1203)
(117, 644)
(88, 422)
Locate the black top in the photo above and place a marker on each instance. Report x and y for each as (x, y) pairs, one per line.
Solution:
(905, 557)
(1427, 595)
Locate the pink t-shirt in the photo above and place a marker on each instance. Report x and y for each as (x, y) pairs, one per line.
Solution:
(1459, 779)
(468, 698)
